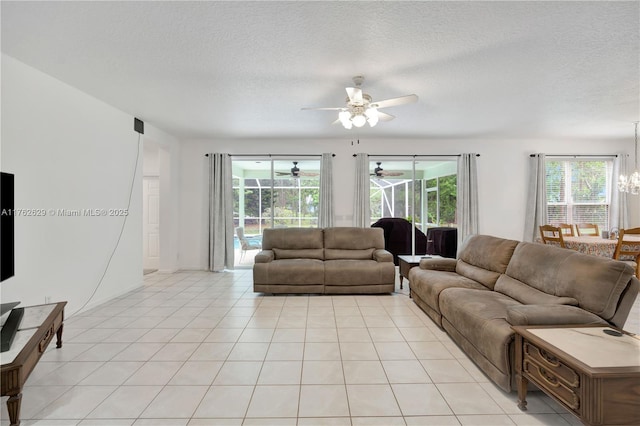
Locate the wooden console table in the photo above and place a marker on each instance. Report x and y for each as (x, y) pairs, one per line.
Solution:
(591, 371)
(39, 325)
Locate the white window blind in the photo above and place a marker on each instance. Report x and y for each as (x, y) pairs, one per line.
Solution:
(578, 191)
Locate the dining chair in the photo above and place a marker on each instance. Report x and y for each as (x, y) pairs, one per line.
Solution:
(246, 243)
(587, 229)
(552, 235)
(628, 249)
(567, 229)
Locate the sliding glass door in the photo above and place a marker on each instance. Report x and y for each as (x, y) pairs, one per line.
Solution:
(392, 189)
(422, 191)
(296, 193)
(272, 193)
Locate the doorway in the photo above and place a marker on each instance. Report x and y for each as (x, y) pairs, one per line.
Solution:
(150, 223)
(150, 207)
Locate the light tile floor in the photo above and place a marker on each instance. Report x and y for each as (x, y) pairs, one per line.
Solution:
(197, 348)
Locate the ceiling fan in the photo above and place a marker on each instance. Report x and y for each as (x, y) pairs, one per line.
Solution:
(295, 172)
(361, 108)
(380, 172)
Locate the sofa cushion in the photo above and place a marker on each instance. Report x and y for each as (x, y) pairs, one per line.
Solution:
(292, 238)
(438, 263)
(358, 272)
(528, 295)
(595, 282)
(289, 271)
(429, 283)
(352, 238)
(264, 256)
(363, 254)
(481, 317)
(551, 315)
(298, 254)
(488, 253)
(382, 255)
(483, 276)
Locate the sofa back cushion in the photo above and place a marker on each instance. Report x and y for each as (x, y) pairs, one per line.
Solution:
(483, 258)
(483, 276)
(337, 254)
(595, 282)
(528, 295)
(292, 238)
(352, 243)
(351, 238)
(298, 253)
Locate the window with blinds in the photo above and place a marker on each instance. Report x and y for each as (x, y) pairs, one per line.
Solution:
(578, 191)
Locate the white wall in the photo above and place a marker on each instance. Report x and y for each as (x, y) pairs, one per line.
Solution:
(69, 150)
(502, 176)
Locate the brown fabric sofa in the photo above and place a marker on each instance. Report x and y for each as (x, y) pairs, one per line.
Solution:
(496, 283)
(338, 260)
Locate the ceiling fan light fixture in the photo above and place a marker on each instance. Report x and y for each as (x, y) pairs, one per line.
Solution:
(359, 120)
(295, 171)
(345, 119)
(372, 116)
(361, 109)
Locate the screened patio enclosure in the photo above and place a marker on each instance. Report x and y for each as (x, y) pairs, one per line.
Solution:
(422, 191)
(274, 193)
(268, 195)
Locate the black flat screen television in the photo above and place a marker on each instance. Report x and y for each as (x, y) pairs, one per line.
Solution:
(7, 235)
(7, 259)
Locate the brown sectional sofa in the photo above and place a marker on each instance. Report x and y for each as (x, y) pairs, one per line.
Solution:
(340, 260)
(496, 283)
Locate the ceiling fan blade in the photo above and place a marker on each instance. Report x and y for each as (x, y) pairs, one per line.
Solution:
(383, 116)
(355, 95)
(395, 101)
(323, 108)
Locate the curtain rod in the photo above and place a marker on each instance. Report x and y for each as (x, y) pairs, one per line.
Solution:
(414, 155)
(577, 155)
(274, 155)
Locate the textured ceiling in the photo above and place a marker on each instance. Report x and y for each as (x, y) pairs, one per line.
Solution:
(244, 69)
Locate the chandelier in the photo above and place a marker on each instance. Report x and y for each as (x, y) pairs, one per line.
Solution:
(631, 183)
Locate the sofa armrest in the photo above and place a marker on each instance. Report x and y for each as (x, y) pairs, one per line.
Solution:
(382, 255)
(551, 315)
(439, 264)
(264, 256)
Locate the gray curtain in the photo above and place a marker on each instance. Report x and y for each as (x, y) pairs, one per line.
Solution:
(536, 213)
(325, 215)
(220, 213)
(618, 210)
(361, 207)
(467, 199)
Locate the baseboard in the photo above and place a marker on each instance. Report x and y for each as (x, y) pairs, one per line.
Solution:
(192, 268)
(95, 303)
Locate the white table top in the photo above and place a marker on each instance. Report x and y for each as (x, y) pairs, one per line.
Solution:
(33, 317)
(593, 347)
(418, 257)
